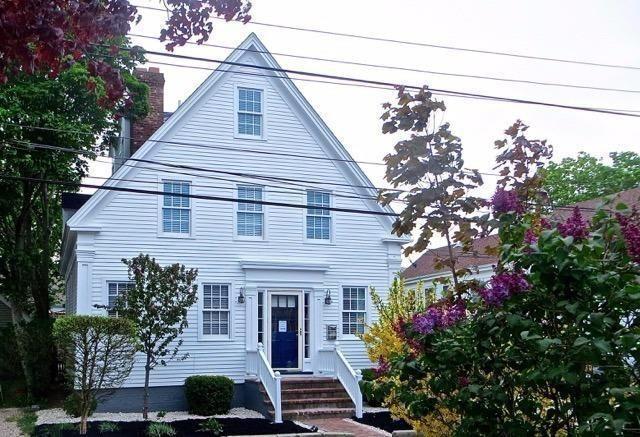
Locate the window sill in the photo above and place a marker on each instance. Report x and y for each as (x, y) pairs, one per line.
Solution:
(319, 242)
(250, 239)
(176, 236)
(249, 137)
(350, 337)
(215, 339)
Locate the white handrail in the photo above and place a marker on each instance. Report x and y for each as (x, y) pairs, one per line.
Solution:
(258, 364)
(349, 379)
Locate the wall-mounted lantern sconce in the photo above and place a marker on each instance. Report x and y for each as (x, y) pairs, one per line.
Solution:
(327, 297)
(241, 296)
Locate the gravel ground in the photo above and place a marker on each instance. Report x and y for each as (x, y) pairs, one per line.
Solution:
(9, 429)
(57, 415)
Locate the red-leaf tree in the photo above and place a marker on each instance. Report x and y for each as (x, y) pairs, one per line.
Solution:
(47, 36)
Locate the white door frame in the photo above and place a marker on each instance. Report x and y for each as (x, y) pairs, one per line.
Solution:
(268, 293)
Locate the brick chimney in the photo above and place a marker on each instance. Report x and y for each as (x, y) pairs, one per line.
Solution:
(142, 129)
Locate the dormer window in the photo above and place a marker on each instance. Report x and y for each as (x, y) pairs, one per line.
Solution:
(250, 111)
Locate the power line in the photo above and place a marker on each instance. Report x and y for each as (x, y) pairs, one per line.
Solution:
(198, 196)
(424, 44)
(232, 149)
(408, 69)
(378, 82)
(246, 175)
(123, 162)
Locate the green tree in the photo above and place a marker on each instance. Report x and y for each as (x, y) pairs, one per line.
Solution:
(65, 112)
(100, 352)
(586, 177)
(158, 303)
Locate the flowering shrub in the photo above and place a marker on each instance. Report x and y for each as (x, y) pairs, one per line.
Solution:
(549, 346)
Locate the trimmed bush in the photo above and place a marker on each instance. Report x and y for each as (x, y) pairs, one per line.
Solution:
(208, 395)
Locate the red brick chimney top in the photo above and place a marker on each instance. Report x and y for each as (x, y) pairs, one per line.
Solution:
(142, 129)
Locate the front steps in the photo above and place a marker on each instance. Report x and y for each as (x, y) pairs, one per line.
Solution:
(312, 397)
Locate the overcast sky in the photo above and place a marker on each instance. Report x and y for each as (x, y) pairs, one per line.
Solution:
(597, 31)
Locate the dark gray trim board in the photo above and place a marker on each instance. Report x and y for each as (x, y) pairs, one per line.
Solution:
(170, 398)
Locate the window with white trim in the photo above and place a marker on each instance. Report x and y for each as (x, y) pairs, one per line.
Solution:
(250, 112)
(115, 290)
(353, 310)
(250, 216)
(176, 207)
(215, 309)
(318, 218)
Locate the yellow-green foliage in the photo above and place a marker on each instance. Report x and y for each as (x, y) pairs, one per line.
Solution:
(382, 342)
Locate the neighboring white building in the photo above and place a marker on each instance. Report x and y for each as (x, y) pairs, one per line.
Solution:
(266, 272)
(425, 269)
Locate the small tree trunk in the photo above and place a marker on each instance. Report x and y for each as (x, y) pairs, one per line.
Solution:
(83, 421)
(145, 403)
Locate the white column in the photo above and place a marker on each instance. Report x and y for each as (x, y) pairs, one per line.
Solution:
(317, 331)
(251, 322)
(84, 287)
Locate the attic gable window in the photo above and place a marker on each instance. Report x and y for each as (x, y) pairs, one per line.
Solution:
(318, 217)
(250, 112)
(176, 207)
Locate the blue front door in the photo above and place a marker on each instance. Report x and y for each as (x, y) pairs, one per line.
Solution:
(285, 331)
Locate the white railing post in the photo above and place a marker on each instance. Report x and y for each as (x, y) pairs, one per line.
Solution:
(358, 401)
(336, 358)
(278, 405)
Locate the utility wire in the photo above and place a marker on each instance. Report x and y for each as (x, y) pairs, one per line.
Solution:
(198, 196)
(408, 69)
(424, 44)
(379, 83)
(246, 175)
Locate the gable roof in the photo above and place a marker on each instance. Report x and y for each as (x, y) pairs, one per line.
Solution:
(326, 137)
(426, 264)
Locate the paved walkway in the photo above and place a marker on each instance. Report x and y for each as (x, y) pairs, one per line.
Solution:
(9, 429)
(337, 424)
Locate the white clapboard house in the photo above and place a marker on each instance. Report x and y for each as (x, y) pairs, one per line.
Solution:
(284, 286)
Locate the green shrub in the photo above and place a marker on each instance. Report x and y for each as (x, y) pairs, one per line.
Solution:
(108, 427)
(211, 425)
(10, 367)
(369, 396)
(208, 395)
(369, 374)
(160, 429)
(71, 405)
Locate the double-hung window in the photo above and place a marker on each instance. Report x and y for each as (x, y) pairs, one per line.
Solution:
(215, 310)
(250, 215)
(353, 310)
(250, 112)
(176, 207)
(318, 217)
(114, 291)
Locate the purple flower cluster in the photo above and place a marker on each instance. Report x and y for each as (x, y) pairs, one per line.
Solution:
(631, 234)
(530, 237)
(439, 316)
(506, 201)
(502, 286)
(575, 226)
(383, 367)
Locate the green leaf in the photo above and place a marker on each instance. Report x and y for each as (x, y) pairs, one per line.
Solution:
(545, 343)
(580, 341)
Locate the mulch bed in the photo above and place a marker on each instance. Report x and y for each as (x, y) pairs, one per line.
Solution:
(230, 426)
(383, 420)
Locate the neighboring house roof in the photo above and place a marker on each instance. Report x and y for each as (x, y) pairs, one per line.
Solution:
(253, 46)
(425, 266)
